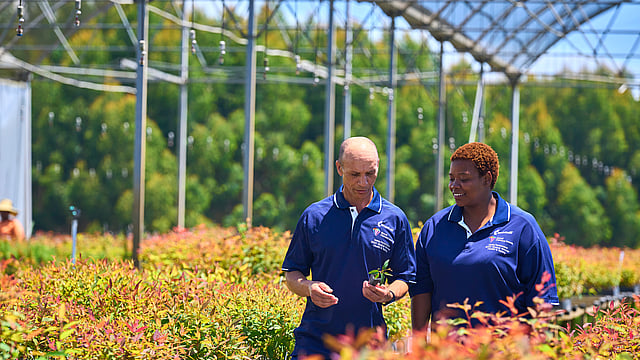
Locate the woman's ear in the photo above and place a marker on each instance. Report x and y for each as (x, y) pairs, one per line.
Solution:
(487, 178)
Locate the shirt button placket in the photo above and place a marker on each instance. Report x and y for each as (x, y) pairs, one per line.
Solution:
(354, 216)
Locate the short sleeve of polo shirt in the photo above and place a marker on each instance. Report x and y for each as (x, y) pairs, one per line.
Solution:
(403, 258)
(424, 282)
(534, 261)
(299, 255)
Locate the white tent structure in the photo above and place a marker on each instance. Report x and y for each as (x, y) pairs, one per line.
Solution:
(15, 148)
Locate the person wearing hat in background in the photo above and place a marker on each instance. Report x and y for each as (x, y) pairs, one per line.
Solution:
(10, 228)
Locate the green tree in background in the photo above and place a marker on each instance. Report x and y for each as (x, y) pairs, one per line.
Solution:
(623, 211)
(579, 212)
(576, 143)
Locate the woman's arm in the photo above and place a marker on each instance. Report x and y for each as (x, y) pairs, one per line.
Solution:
(420, 311)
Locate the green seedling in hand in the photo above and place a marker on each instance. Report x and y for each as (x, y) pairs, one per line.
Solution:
(379, 276)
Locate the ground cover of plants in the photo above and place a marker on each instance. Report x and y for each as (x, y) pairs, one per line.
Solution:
(217, 293)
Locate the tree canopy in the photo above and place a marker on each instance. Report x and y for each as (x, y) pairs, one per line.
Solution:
(577, 161)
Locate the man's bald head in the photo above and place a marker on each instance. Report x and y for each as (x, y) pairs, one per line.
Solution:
(357, 164)
(356, 148)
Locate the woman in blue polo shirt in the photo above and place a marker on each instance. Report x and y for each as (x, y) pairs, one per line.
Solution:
(482, 248)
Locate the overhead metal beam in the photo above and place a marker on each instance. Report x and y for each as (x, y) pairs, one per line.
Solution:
(153, 73)
(9, 61)
(51, 18)
(422, 18)
(125, 22)
(568, 7)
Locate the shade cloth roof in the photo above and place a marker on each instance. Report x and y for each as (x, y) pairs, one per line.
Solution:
(512, 35)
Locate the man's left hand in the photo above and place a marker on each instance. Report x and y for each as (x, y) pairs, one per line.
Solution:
(376, 293)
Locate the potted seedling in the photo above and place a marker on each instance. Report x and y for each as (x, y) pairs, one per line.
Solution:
(379, 276)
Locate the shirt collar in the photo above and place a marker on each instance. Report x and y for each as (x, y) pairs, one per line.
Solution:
(341, 203)
(502, 215)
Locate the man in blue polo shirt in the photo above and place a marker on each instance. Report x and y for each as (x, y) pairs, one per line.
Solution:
(482, 248)
(340, 239)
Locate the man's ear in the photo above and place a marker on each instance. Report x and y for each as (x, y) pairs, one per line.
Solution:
(339, 167)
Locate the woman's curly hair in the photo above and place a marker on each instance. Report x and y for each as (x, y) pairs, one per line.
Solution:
(482, 155)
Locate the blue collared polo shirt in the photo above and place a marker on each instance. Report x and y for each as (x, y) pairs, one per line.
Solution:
(508, 255)
(339, 246)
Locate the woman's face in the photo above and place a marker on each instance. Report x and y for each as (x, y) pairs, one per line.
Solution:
(467, 186)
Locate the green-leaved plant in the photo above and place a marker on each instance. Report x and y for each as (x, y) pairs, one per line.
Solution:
(380, 275)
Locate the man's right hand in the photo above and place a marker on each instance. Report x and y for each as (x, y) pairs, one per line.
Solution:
(321, 294)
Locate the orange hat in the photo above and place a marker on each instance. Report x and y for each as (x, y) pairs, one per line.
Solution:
(7, 205)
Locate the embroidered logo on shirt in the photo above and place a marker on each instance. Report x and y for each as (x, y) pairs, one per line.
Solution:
(499, 243)
(381, 240)
(384, 226)
(382, 234)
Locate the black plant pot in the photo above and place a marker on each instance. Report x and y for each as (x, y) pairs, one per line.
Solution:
(373, 280)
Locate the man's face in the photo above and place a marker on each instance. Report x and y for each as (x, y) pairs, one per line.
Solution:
(359, 171)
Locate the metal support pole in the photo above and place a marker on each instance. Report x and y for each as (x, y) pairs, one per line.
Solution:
(391, 115)
(477, 106)
(515, 131)
(441, 125)
(75, 213)
(139, 146)
(249, 115)
(329, 110)
(348, 73)
(481, 129)
(74, 239)
(182, 121)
